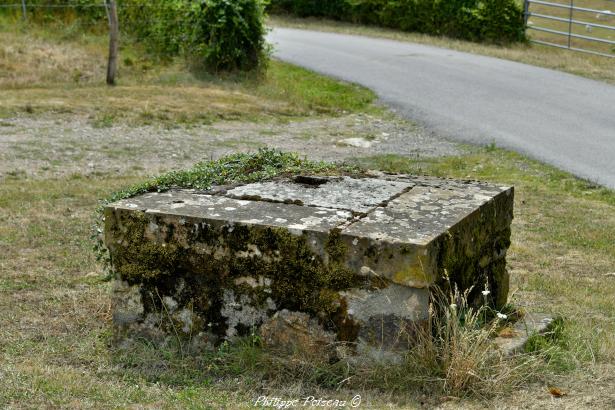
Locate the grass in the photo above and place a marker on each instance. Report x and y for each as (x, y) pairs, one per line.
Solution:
(591, 66)
(55, 339)
(55, 333)
(42, 71)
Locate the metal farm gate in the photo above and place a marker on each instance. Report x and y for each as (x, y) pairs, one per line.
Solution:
(581, 25)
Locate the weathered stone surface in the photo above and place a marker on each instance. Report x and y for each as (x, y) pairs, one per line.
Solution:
(297, 333)
(222, 210)
(351, 194)
(358, 255)
(386, 318)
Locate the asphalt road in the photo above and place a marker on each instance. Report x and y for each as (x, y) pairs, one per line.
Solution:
(558, 118)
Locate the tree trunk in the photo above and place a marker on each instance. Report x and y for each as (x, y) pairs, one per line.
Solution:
(114, 36)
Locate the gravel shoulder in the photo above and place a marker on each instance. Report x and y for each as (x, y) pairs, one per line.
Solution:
(55, 146)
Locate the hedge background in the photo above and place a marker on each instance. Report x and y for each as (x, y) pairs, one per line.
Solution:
(496, 21)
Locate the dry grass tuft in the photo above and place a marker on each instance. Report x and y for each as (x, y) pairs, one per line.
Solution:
(454, 356)
(26, 60)
(458, 349)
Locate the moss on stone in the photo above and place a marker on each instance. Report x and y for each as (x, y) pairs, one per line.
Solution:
(472, 255)
(335, 247)
(138, 259)
(299, 278)
(213, 259)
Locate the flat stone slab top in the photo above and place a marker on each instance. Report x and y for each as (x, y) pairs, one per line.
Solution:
(359, 254)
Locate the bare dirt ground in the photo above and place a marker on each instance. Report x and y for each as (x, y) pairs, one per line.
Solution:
(58, 146)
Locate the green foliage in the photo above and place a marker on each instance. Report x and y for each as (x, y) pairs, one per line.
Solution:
(160, 25)
(64, 11)
(221, 35)
(555, 347)
(475, 20)
(228, 35)
(335, 9)
(501, 19)
(240, 167)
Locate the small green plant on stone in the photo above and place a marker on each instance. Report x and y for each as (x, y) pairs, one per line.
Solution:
(251, 167)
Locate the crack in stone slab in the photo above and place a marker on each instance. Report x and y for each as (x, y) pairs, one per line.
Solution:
(357, 218)
(356, 195)
(308, 181)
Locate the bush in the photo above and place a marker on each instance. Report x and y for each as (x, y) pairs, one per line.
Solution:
(497, 21)
(227, 35)
(333, 9)
(221, 35)
(160, 25)
(501, 19)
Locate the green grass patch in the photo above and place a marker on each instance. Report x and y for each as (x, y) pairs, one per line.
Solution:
(316, 92)
(241, 167)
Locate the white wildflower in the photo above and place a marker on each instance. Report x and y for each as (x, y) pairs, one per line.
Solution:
(502, 316)
(485, 292)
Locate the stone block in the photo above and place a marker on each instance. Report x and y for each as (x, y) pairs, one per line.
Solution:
(357, 256)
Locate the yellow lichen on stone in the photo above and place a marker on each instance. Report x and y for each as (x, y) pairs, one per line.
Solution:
(413, 274)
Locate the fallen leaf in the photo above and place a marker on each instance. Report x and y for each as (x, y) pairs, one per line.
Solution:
(507, 332)
(556, 392)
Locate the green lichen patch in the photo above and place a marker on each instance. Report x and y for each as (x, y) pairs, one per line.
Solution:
(136, 259)
(473, 254)
(302, 280)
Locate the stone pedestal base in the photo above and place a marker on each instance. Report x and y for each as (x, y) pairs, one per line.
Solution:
(357, 256)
